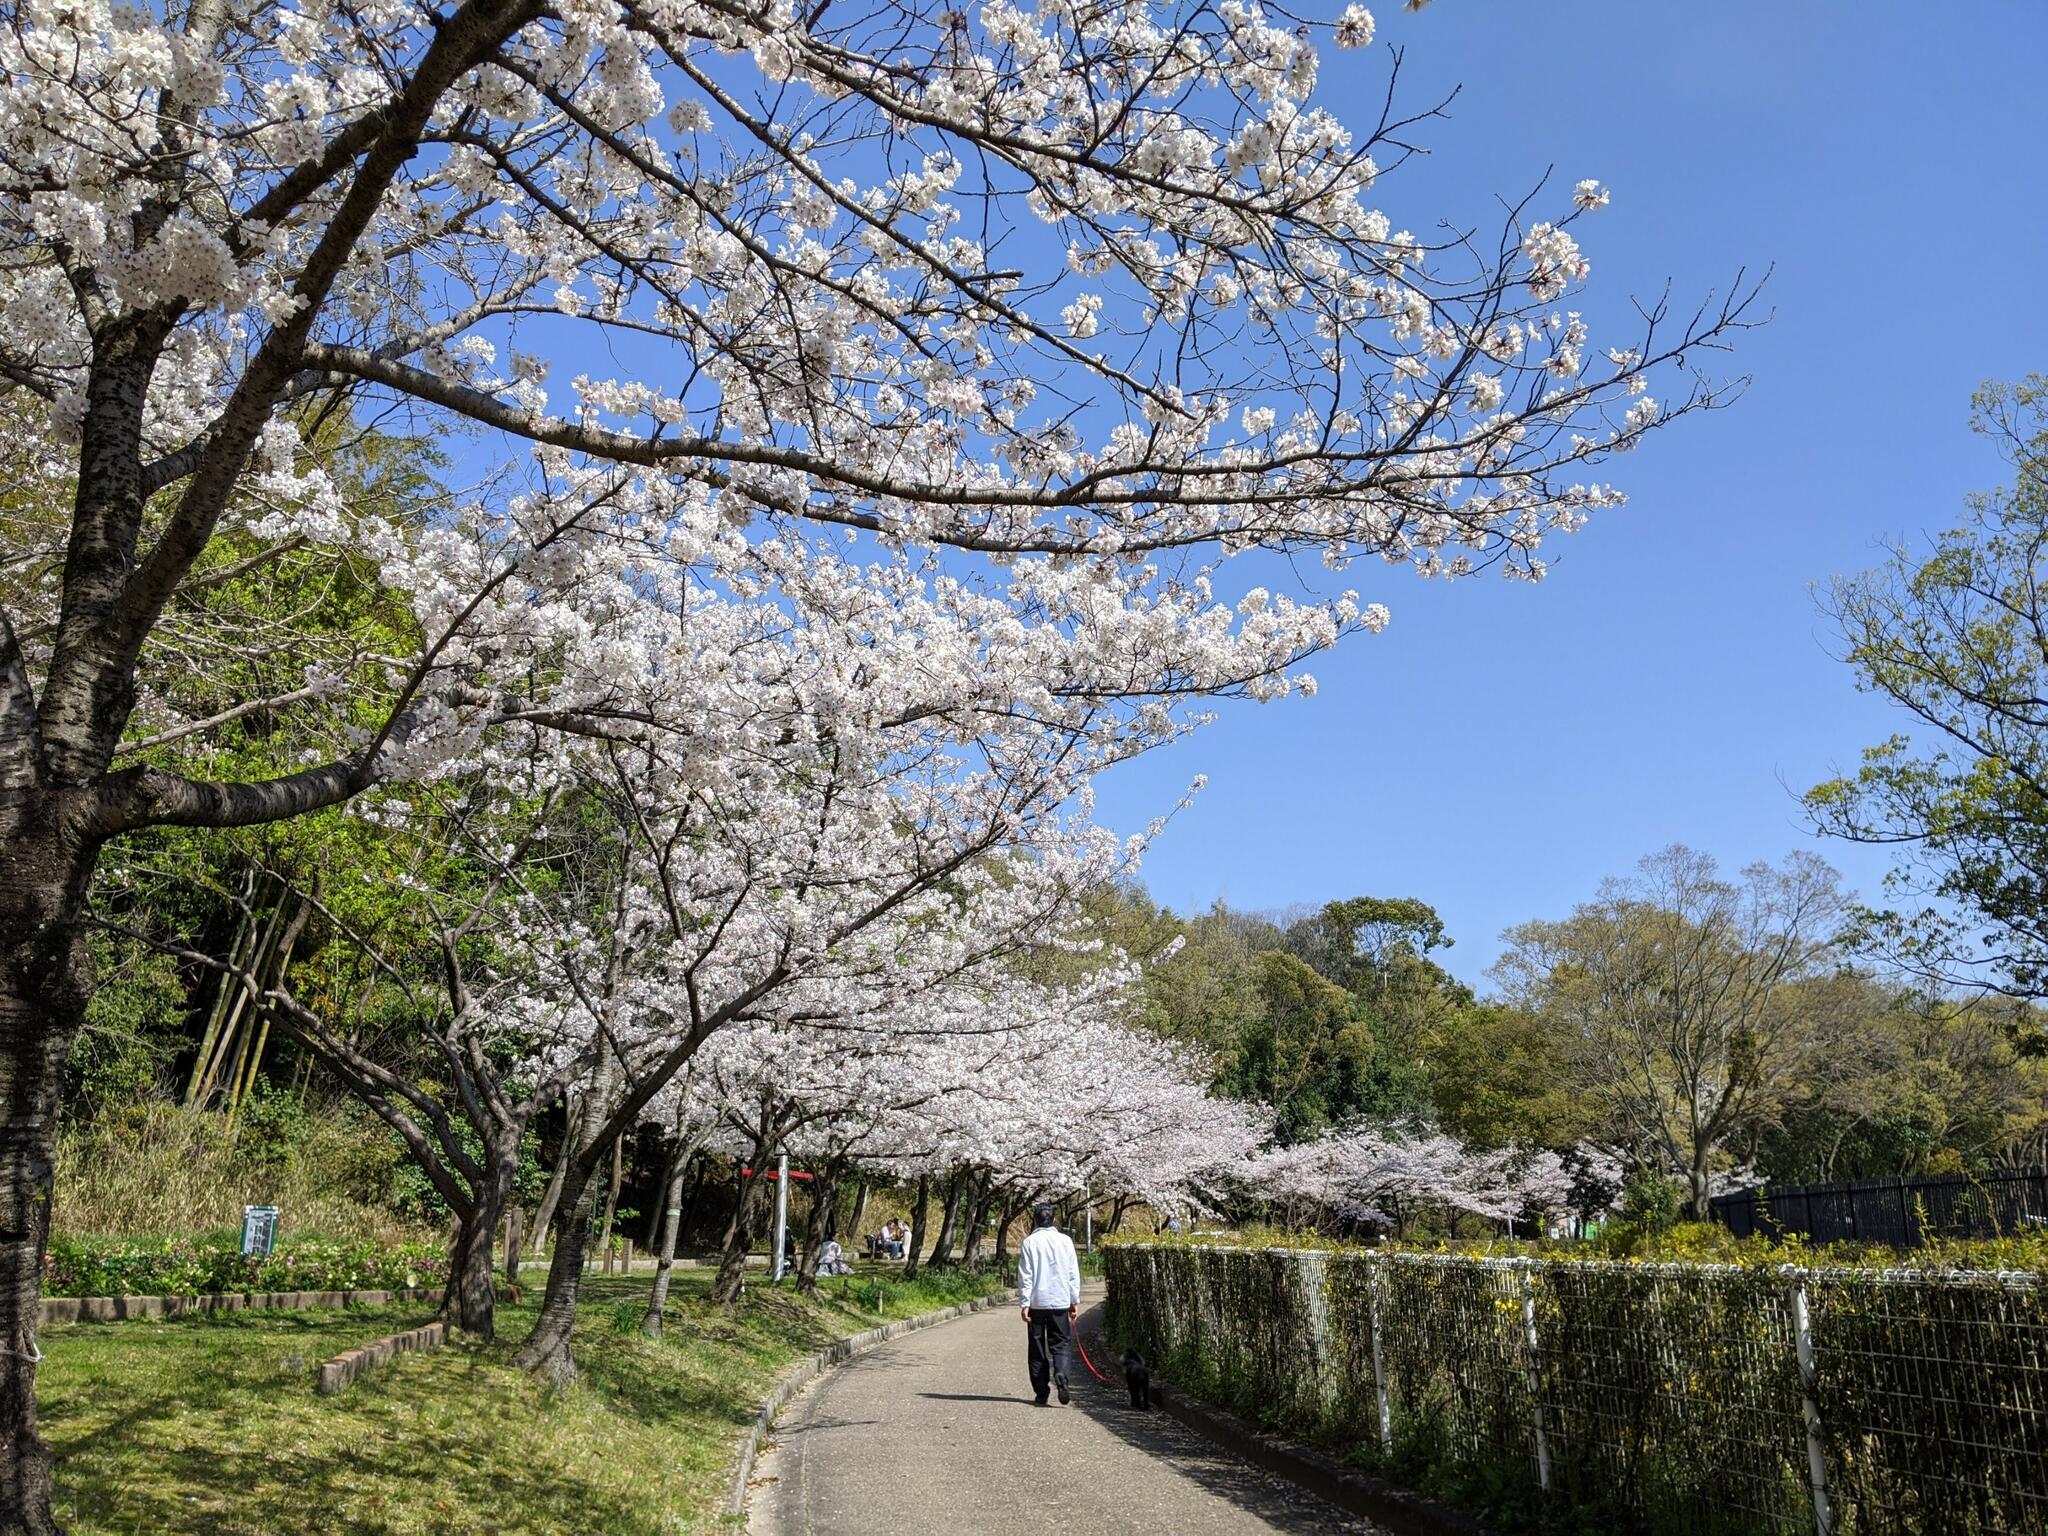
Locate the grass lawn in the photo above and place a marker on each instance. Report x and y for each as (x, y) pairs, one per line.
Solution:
(210, 1423)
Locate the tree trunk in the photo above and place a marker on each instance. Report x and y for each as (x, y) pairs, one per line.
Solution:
(977, 1221)
(671, 1226)
(545, 1351)
(920, 1213)
(852, 1233)
(611, 1201)
(650, 1236)
(1009, 1215)
(741, 1232)
(550, 1200)
(1116, 1215)
(45, 980)
(470, 1299)
(515, 1234)
(824, 1190)
(949, 1221)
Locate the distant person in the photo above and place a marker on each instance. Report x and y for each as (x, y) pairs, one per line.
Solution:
(897, 1235)
(788, 1250)
(832, 1259)
(1049, 1296)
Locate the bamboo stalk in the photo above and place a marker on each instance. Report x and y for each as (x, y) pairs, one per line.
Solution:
(245, 927)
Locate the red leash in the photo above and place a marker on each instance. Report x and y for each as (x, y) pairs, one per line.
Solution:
(1084, 1356)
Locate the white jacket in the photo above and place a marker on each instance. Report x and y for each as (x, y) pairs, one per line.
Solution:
(1048, 1271)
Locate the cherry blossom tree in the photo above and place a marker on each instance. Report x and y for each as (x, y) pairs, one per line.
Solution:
(1384, 1176)
(1097, 294)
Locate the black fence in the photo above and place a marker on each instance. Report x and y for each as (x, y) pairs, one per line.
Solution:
(1902, 1212)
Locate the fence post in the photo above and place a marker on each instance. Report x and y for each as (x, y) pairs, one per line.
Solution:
(1525, 1270)
(1809, 1408)
(1379, 1369)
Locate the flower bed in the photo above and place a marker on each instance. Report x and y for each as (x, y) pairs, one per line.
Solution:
(213, 1265)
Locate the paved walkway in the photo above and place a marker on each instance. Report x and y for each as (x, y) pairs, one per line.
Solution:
(936, 1432)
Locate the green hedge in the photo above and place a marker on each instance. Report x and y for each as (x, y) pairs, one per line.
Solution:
(213, 1264)
(1668, 1397)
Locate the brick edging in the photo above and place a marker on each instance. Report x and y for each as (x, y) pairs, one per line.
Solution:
(836, 1353)
(345, 1367)
(111, 1309)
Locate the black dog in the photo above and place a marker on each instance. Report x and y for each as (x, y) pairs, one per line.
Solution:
(1138, 1377)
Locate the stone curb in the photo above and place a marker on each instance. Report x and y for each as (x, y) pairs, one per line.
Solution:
(836, 1353)
(349, 1364)
(113, 1309)
(1402, 1511)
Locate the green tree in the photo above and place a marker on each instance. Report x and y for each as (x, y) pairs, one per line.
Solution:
(1501, 1077)
(1309, 1052)
(1957, 635)
(1691, 1007)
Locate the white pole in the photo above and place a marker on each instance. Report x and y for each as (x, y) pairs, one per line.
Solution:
(781, 1213)
(1809, 1408)
(1379, 1367)
(1525, 1269)
(1088, 1220)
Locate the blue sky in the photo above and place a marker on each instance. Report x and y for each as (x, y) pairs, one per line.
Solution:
(1501, 747)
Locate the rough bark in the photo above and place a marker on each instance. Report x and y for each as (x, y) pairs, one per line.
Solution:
(470, 1299)
(742, 1232)
(1011, 1210)
(977, 1220)
(824, 1191)
(949, 1222)
(45, 980)
(920, 1213)
(545, 1351)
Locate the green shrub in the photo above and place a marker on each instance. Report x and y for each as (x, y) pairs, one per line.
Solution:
(213, 1264)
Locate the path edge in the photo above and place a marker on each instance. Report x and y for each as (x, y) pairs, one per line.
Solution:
(1403, 1511)
(838, 1352)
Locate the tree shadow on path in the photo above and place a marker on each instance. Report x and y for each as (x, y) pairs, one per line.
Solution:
(1281, 1505)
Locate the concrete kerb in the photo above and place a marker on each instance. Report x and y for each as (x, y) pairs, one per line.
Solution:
(836, 1353)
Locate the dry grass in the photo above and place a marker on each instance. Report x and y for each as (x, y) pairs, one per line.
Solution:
(155, 1171)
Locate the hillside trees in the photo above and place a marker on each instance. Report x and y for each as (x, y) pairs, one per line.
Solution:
(1692, 1007)
(801, 228)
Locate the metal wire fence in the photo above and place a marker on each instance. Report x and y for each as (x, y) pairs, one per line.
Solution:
(1658, 1398)
(1904, 1212)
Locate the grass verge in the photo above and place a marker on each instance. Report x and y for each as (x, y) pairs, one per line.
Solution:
(210, 1423)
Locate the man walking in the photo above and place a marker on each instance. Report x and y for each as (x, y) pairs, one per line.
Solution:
(1049, 1296)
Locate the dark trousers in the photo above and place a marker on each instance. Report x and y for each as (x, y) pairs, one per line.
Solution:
(1050, 1346)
